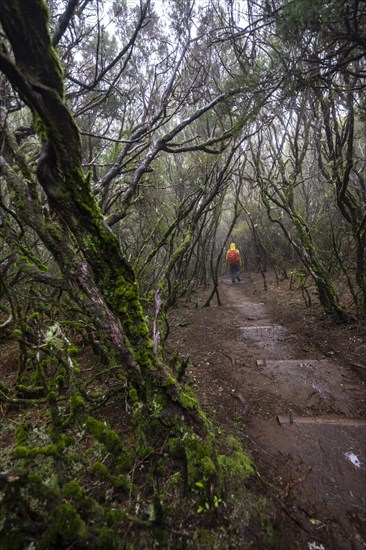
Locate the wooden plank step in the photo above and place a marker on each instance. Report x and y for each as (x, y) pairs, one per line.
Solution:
(260, 331)
(292, 362)
(334, 420)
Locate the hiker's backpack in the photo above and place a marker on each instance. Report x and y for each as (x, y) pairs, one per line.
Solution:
(233, 257)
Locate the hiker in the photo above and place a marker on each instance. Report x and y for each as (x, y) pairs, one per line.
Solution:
(233, 260)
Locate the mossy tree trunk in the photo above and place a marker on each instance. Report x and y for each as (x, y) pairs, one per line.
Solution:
(279, 180)
(309, 257)
(79, 280)
(103, 274)
(340, 166)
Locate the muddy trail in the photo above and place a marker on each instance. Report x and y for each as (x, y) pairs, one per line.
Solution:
(301, 412)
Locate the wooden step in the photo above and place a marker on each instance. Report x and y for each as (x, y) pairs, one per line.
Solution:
(335, 420)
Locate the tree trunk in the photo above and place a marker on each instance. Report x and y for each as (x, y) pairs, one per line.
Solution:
(102, 273)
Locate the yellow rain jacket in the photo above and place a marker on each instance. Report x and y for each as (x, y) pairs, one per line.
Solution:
(233, 255)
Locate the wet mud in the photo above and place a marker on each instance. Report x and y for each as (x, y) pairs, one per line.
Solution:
(302, 415)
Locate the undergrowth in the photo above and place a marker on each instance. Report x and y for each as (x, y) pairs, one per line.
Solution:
(78, 470)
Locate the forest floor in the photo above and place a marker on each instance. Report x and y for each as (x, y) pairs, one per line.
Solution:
(286, 381)
(292, 385)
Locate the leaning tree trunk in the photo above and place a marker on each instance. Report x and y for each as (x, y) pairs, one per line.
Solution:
(103, 274)
(327, 294)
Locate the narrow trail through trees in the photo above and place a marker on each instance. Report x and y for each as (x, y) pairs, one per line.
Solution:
(301, 414)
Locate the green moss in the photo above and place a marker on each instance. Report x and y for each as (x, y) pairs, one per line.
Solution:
(176, 479)
(200, 465)
(269, 531)
(21, 451)
(107, 539)
(73, 490)
(157, 404)
(235, 465)
(125, 301)
(22, 434)
(100, 470)
(72, 350)
(52, 397)
(208, 467)
(176, 447)
(122, 483)
(105, 435)
(116, 517)
(187, 398)
(170, 380)
(143, 449)
(67, 524)
(77, 403)
(86, 506)
(118, 481)
(17, 333)
(133, 395)
(39, 127)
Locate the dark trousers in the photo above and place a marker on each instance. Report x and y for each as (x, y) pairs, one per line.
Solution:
(234, 271)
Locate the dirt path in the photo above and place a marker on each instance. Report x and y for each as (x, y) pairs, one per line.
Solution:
(301, 414)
